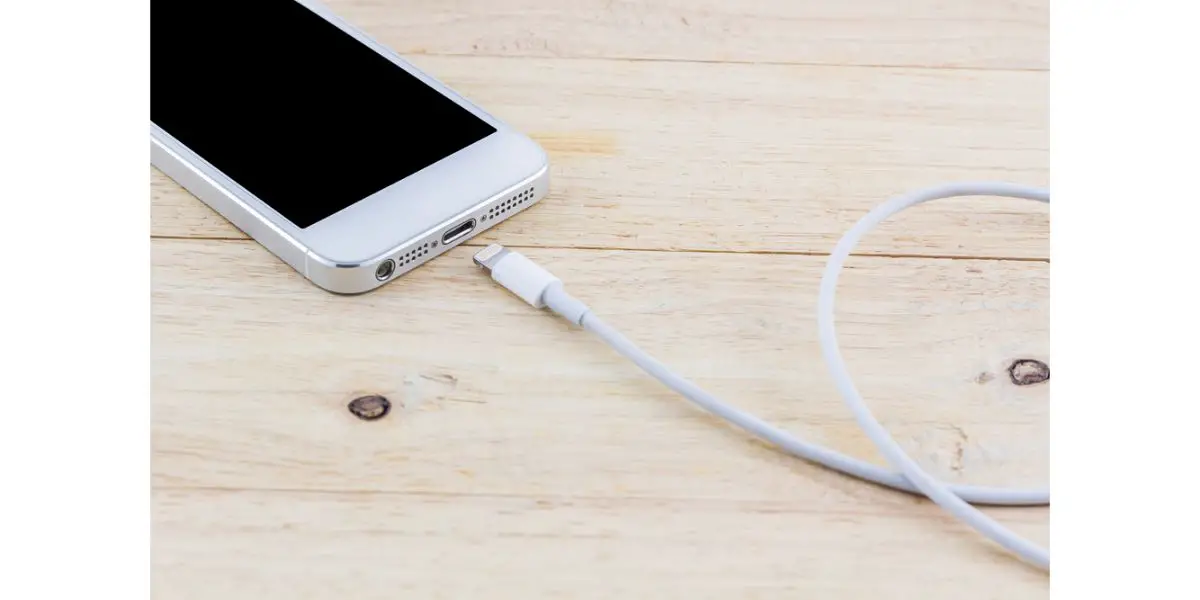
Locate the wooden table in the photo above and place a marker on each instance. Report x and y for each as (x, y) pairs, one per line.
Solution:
(706, 155)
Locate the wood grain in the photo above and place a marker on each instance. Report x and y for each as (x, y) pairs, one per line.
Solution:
(927, 33)
(253, 369)
(743, 158)
(706, 155)
(301, 546)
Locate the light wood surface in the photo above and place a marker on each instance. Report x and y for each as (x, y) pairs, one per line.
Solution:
(705, 156)
(1011, 34)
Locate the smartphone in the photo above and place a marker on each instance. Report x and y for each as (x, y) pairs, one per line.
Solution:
(323, 145)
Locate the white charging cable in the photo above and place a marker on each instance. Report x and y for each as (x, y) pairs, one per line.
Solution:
(541, 289)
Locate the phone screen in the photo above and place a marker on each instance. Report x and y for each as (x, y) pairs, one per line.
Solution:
(292, 108)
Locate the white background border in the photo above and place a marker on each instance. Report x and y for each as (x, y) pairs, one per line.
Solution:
(1125, 97)
(75, 424)
(74, 432)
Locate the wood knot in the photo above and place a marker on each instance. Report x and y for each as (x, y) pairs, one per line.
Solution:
(370, 408)
(1028, 371)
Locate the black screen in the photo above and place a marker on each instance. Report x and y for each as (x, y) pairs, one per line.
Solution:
(295, 110)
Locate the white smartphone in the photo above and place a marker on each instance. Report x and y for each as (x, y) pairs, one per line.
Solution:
(323, 145)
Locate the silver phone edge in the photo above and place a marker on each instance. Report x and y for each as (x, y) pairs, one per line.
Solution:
(338, 278)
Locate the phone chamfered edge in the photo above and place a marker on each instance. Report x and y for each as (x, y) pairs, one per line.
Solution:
(259, 222)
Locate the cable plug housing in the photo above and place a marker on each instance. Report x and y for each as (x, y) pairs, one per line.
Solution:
(530, 282)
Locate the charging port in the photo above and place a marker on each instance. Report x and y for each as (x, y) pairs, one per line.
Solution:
(458, 231)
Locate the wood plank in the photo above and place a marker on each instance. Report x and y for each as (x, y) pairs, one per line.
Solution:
(242, 341)
(747, 158)
(926, 33)
(500, 407)
(292, 545)
(525, 447)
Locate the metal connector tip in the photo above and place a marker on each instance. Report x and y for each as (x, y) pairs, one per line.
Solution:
(488, 257)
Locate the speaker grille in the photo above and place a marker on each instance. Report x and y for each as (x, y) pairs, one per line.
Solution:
(413, 254)
(510, 205)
